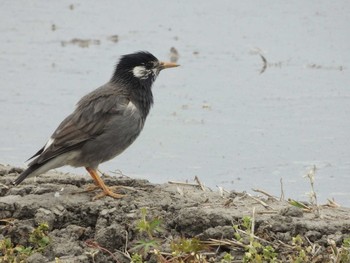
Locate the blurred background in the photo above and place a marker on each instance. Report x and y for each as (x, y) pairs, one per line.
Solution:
(226, 115)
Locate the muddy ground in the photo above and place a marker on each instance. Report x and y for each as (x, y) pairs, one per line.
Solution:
(76, 221)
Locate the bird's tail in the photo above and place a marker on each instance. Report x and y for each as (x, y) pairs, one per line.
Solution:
(26, 173)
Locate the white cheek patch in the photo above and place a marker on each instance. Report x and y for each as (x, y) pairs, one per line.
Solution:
(48, 144)
(155, 72)
(140, 72)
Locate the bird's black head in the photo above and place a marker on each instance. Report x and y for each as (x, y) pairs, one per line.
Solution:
(141, 66)
(136, 73)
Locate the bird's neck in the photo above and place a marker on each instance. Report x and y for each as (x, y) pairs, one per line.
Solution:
(140, 90)
(143, 98)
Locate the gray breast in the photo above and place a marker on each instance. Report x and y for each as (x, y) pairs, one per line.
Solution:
(118, 134)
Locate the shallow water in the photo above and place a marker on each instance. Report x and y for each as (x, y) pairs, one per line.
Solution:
(216, 116)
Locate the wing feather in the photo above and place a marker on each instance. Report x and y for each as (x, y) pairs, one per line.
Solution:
(88, 121)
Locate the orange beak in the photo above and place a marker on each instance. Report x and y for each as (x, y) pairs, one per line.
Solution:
(164, 65)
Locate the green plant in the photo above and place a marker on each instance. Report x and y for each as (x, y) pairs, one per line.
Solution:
(8, 252)
(38, 239)
(258, 253)
(245, 225)
(182, 249)
(254, 250)
(227, 258)
(150, 228)
(246, 222)
(246, 246)
(344, 253)
(145, 246)
(136, 258)
(186, 246)
(187, 250)
(300, 251)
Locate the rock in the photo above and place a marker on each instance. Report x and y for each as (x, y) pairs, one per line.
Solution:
(291, 211)
(313, 236)
(111, 237)
(37, 258)
(43, 215)
(219, 232)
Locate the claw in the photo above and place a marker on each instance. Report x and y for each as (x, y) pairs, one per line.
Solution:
(100, 184)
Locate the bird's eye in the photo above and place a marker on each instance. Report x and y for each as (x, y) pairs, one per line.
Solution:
(149, 65)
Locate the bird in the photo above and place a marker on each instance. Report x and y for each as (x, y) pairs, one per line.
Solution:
(104, 123)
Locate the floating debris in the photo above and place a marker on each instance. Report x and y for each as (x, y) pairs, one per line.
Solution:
(114, 38)
(206, 106)
(264, 65)
(174, 55)
(83, 43)
(316, 66)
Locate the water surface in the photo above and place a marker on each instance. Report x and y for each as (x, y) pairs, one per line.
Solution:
(216, 116)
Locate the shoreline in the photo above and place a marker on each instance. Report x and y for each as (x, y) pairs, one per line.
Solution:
(83, 230)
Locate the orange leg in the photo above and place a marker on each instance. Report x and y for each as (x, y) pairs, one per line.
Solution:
(99, 182)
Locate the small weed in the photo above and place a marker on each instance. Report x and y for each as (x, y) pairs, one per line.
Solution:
(150, 228)
(136, 258)
(38, 239)
(255, 250)
(145, 246)
(182, 249)
(187, 249)
(342, 254)
(344, 251)
(9, 253)
(300, 252)
(186, 245)
(227, 258)
(259, 253)
(246, 223)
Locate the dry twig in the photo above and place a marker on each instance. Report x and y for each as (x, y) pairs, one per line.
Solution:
(93, 244)
(282, 191)
(182, 183)
(199, 183)
(313, 196)
(332, 203)
(265, 193)
(5, 186)
(224, 242)
(260, 201)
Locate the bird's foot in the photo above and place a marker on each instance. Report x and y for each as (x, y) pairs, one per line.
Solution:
(107, 191)
(90, 188)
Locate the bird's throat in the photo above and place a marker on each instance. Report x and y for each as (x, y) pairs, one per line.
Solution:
(143, 98)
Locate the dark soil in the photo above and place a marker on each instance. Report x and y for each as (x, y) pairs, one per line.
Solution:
(80, 227)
